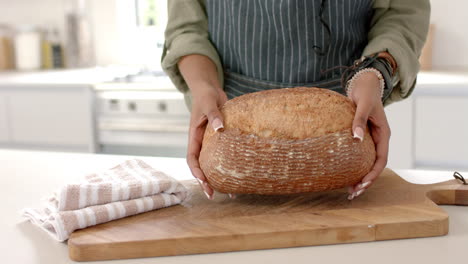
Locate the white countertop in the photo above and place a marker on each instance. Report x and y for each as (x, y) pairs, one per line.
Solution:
(443, 77)
(102, 77)
(442, 83)
(31, 175)
(60, 76)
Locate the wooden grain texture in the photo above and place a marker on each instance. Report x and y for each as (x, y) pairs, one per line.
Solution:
(391, 209)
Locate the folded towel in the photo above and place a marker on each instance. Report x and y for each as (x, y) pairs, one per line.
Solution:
(129, 188)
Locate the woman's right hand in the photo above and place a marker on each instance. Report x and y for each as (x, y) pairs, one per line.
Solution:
(206, 102)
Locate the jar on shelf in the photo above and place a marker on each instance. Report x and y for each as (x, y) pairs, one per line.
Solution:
(27, 48)
(52, 51)
(6, 48)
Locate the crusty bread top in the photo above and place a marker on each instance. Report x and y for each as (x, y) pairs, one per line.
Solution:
(289, 113)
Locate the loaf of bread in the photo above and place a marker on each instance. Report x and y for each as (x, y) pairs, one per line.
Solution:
(286, 141)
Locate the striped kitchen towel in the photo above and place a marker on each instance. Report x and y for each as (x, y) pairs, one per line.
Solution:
(129, 188)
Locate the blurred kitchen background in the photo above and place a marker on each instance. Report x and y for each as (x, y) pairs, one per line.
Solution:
(85, 76)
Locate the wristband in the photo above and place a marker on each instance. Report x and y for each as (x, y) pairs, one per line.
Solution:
(350, 83)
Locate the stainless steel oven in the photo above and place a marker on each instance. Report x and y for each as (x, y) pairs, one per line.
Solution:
(148, 119)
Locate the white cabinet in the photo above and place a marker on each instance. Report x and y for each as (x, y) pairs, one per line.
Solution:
(441, 132)
(430, 129)
(4, 130)
(50, 117)
(400, 119)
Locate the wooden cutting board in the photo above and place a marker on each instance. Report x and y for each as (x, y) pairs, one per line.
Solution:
(391, 209)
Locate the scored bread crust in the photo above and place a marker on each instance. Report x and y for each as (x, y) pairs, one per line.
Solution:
(285, 141)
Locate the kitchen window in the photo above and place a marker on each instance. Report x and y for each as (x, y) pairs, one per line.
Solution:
(134, 34)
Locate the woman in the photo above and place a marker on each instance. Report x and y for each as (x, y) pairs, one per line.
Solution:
(220, 49)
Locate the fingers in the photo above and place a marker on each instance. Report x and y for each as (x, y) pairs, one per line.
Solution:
(194, 166)
(193, 152)
(198, 173)
(215, 118)
(224, 97)
(380, 132)
(361, 116)
(203, 115)
(367, 181)
(357, 191)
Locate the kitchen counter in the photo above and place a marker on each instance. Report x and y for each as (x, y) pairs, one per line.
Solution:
(67, 110)
(103, 78)
(64, 76)
(30, 176)
(448, 83)
(100, 78)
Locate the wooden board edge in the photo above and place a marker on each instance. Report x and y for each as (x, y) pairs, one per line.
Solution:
(224, 243)
(438, 226)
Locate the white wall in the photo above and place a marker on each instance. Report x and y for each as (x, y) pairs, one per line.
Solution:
(449, 17)
(34, 12)
(451, 33)
(113, 35)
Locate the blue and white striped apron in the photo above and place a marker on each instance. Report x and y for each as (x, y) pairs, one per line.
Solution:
(270, 44)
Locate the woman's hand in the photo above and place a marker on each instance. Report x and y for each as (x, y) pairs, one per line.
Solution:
(201, 76)
(366, 95)
(206, 101)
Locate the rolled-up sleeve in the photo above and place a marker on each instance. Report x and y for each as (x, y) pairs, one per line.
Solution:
(400, 26)
(187, 33)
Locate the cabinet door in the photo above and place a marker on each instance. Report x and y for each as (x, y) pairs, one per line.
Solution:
(4, 130)
(52, 117)
(441, 132)
(400, 119)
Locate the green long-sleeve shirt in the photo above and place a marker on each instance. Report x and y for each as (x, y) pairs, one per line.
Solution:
(399, 26)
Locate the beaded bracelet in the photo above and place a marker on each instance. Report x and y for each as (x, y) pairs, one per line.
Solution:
(350, 83)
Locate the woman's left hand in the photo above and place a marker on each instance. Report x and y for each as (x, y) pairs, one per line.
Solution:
(366, 95)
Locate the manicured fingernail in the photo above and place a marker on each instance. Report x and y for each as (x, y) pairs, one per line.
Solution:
(207, 195)
(199, 181)
(351, 196)
(358, 193)
(217, 125)
(364, 185)
(359, 133)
